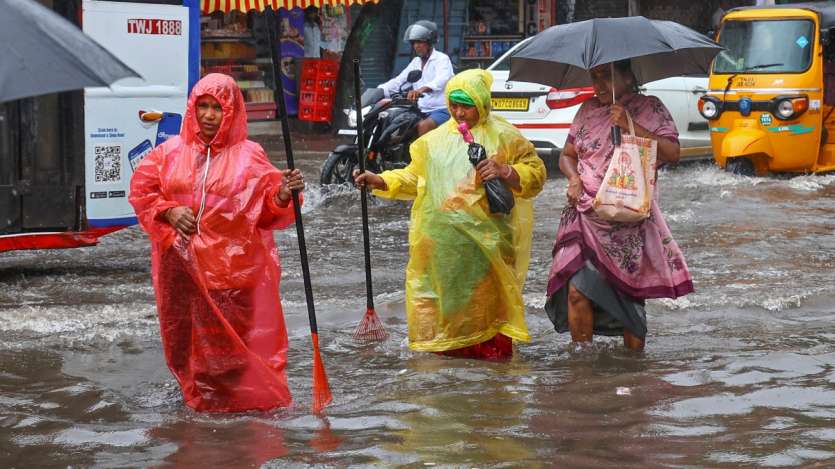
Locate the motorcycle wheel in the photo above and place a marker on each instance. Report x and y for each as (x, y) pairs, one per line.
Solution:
(740, 166)
(338, 168)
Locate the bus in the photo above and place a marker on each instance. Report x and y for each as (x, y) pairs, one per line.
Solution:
(66, 159)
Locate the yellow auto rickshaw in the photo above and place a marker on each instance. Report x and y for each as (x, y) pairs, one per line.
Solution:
(768, 105)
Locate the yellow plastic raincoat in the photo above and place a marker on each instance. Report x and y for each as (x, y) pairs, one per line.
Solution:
(467, 266)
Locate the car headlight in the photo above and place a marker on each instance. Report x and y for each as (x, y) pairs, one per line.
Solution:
(709, 108)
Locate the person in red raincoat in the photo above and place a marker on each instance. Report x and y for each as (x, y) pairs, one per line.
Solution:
(209, 200)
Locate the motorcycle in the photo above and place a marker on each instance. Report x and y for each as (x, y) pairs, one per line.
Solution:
(389, 126)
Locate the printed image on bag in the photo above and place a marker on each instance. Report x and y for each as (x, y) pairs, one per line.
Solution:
(627, 189)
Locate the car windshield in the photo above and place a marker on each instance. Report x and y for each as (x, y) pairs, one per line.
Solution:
(766, 46)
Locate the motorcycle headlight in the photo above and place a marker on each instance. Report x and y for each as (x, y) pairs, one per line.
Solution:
(709, 108)
(352, 119)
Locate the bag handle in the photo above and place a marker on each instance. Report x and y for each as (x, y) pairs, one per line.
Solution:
(631, 125)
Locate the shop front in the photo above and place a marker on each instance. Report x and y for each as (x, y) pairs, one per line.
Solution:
(493, 28)
(475, 32)
(235, 41)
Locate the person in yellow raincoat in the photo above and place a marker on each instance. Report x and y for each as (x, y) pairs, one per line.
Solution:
(467, 266)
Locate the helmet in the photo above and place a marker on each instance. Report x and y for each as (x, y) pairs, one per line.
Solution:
(422, 30)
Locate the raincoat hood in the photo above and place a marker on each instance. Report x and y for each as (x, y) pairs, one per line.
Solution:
(476, 83)
(233, 127)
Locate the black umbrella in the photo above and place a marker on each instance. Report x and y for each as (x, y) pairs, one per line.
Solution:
(44, 53)
(562, 55)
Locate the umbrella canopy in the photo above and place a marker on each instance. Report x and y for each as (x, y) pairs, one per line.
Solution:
(44, 53)
(226, 6)
(561, 55)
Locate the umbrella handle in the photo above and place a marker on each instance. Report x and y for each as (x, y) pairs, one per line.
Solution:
(615, 129)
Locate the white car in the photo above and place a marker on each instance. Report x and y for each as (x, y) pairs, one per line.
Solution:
(544, 114)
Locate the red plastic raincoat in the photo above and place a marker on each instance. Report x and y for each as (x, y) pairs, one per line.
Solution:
(217, 292)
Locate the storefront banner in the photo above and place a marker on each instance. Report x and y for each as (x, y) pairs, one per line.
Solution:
(291, 27)
(210, 6)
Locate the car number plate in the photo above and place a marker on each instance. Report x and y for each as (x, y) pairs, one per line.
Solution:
(510, 104)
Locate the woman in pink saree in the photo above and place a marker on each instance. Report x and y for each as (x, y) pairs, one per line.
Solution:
(603, 271)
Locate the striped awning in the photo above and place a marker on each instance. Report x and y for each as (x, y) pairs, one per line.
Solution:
(226, 6)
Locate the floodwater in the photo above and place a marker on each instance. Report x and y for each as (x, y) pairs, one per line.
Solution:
(739, 374)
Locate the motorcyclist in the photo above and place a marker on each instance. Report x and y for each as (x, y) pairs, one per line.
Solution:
(436, 70)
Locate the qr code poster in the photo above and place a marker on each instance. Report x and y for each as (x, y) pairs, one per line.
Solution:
(108, 163)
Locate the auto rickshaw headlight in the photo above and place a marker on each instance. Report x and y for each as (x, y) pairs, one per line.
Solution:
(791, 107)
(785, 109)
(709, 108)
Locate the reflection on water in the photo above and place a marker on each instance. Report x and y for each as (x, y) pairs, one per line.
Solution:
(739, 374)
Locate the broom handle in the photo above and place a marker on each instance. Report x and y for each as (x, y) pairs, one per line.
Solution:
(363, 196)
(275, 49)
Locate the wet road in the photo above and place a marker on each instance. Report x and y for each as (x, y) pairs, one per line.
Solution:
(739, 374)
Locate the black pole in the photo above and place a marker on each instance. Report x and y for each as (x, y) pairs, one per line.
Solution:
(275, 50)
(363, 195)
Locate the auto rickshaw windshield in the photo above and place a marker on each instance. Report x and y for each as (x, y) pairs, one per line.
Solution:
(765, 46)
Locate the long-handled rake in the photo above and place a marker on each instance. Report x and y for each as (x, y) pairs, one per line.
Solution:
(321, 391)
(370, 328)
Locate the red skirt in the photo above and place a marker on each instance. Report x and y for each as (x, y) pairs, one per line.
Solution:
(500, 347)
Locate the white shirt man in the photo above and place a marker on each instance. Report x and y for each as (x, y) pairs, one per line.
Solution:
(436, 70)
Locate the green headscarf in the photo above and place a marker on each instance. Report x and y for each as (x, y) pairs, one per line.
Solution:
(475, 84)
(461, 97)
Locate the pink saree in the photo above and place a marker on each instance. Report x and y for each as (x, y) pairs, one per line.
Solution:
(640, 260)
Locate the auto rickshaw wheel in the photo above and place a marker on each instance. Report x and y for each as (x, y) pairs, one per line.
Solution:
(740, 166)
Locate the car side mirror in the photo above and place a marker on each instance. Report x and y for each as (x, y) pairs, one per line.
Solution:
(414, 76)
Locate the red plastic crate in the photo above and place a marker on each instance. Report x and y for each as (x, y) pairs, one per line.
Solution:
(318, 70)
(323, 113)
(307, 112)
(308, 72)
(325, 85)
(307, 97)
(328, 69)
(324, 99)
(308, 84)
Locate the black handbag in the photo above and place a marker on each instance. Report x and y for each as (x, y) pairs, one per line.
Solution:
(499, 197)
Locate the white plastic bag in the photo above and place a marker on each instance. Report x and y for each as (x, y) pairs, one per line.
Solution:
(627, 189)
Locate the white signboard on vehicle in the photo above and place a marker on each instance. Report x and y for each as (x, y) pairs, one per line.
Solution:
(124, 122)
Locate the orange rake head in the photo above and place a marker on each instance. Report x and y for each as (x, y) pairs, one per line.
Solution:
(370, 328)
(321, 391)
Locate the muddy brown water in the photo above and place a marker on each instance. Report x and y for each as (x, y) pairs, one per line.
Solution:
(739, 374)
